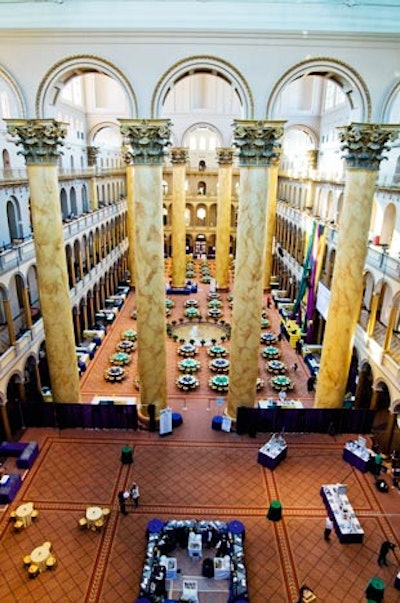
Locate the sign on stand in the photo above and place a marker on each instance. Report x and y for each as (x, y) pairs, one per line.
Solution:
(165, 421)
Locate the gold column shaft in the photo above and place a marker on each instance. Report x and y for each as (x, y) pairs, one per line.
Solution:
(248, 288)
(150, 287)
(346, 288)
(223, 226)
(10, 322)
(53, 282)
(130, 219)
(94, 200)
(271, 224)
(178, 225)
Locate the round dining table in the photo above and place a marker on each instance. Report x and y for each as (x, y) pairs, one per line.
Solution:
(24, 513)
(213, 295)
(268, 338)
(271, 352)
(40, 554)
(189, 365)
(191, 303)
(265, 323)
(215, 303)
(125, 345)
(281, 382)
(114, 373)
(219, 365)
(93, 514)
(219, 383)
(217, 351)
(192, 312)
(214, 312)
(187, 382)
(120, 358)
(187, 349)
(169, 303)
(129, 334)
(275, 366)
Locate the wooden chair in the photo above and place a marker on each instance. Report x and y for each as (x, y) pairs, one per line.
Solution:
(82, 523)
(13, 515)
(35, 514)
(27, 560)
(51, 562)
(99, 524)
(106, 511)
(47, 545)
(33, 570)
(18, 525)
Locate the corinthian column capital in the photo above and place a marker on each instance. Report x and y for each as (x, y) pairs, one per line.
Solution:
(179, 155)
(363, 144)
(225, 155)
(259, 142)
(40, 139)
(147, 139)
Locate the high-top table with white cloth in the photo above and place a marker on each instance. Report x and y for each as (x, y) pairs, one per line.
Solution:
(273, 452)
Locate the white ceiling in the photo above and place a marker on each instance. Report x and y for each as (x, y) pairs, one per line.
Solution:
(305, 16)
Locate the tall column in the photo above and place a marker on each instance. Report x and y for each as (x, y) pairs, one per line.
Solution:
(148, 139)
(9, 320)
(312, 157)
(363, 145)
(225, 160)
(6, 422)
(373, 312)
(130, 215)
(179, 157)
(92, 153)
(271, 222)
(40, 140)
(259, 146)
(27, 307)
(389, 329)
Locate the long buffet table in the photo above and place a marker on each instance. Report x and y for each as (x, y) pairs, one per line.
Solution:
(345, 522)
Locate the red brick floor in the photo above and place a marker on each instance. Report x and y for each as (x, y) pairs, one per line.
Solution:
(194, 473)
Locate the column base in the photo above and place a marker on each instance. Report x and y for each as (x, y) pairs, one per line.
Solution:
(144, 421)
(223, 289)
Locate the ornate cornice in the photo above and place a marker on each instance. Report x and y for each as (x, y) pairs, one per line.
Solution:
(225, 155)
(259, 142)
(40, 139)
(179, 155)
(364, 144)
(147, 139)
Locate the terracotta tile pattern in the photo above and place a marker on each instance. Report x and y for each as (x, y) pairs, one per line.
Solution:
(194, 473)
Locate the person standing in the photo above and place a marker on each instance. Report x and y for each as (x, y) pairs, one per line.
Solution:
(135, 495)
(328, 529)
(122, 502)
(386, 546)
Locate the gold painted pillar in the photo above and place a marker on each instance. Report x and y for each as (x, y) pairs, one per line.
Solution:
(6, 423)
(373, 312)
(389, 329)
(259, 145)
(179, 157)
(271, 222)
(312, 157)
(9, 320)
(130, 216)
(148, 139)
(363, 145)
(225, 160)
(92, 153)
(40, 141)
(27, 307)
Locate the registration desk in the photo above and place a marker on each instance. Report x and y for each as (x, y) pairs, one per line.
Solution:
(272, 403)
(357, 455)
(345, 522)
(273, 452)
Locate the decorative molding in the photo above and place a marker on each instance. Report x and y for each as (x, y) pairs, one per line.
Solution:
(147, 139)
(40, 139)
(364, 144)
(259, 142)
(92, 153)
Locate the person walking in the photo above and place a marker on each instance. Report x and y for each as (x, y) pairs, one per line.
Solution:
(294, 367)
(328, 529)
(122, 502)
(135, 495)
(310, 384)
(386, 546)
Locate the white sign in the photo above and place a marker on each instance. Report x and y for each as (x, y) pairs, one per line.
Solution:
(165, 421)
(226, 424)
